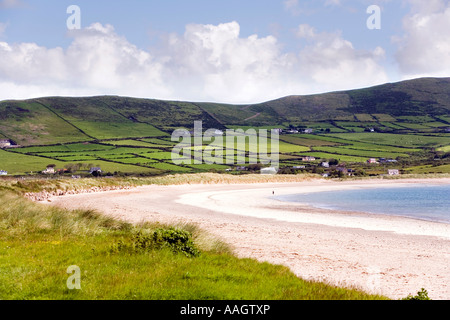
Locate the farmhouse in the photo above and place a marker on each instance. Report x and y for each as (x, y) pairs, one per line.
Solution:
(372, 160)
(50, 169)
(278, 130)
(3, 173)
(5, 143)
(325, 164)
(393, 172)
(95, 169)
(308, 131)
(270, 170)
(308, 158)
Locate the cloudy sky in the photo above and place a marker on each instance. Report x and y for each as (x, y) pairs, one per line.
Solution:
(221, 51)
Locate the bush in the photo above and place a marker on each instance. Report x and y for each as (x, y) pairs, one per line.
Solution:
(421, 295)
(176, 240)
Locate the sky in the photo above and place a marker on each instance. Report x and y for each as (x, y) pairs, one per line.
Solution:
(217, 51)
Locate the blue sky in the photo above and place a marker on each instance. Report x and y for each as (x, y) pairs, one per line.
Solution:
(222, 51)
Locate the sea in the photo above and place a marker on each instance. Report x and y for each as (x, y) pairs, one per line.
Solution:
(418, 201)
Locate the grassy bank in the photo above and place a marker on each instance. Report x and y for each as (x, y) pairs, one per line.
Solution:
(34, 185)
(118, 260)
(64, 184)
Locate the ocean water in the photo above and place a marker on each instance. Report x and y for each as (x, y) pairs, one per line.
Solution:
(426, 202)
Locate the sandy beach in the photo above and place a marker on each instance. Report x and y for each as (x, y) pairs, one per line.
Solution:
(388, 255)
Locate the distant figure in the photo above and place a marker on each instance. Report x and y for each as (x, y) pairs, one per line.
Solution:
(273, 192)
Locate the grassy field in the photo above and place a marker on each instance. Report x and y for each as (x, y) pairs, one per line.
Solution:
(133, 136)
(119, 261)
(154, 155)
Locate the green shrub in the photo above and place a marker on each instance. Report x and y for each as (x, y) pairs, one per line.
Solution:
(421, 295)
(176, 240)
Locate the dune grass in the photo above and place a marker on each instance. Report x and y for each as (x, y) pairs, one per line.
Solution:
(38, 243)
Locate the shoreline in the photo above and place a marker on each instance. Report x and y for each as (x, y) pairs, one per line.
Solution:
(267, 208)
(393, 256)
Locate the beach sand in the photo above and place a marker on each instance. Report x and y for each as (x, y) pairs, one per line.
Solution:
(387, 255)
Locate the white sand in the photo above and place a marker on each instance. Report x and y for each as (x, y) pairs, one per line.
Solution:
(392, 256)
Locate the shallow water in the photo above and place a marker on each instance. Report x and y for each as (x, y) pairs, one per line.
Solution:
(426, 202)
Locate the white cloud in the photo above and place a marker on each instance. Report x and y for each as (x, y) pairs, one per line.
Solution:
(98, 61)
(333, 2)
(330, 62)
(225, 66)
(424, 49)
(206, 63)
(11, 3)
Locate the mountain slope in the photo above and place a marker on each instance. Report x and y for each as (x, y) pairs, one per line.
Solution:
(420, 97)
(54, 120)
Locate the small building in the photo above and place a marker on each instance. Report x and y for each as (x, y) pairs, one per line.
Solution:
(308, 159)
(393, 172)
(308, 131)
(270, 170)
(5, 143)
(3, 173)
(299, 167)
(95, 169)
(218, 132)
(278, 130)
(372, 160)
(325, 164)
(50, 169)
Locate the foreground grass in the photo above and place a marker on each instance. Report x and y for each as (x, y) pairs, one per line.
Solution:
(38, 243)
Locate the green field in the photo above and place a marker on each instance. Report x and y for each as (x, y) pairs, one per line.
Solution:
(154, 155)
(408, 121)
(404, 140)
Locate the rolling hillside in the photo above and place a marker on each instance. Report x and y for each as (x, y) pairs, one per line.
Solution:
(405, 120)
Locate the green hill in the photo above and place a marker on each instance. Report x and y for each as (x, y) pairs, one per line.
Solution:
(61, 120)
(134, 135)
(420, 97)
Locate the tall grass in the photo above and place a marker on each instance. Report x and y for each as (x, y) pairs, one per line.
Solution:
(38, 243)
(66, 184)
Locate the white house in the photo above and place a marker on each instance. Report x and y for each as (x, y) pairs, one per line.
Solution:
(325, 164)
(50, 169)
(95, 169)
(3, 173)
(393, 172)
(278, 130)
(270, 170)
(5, 143)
